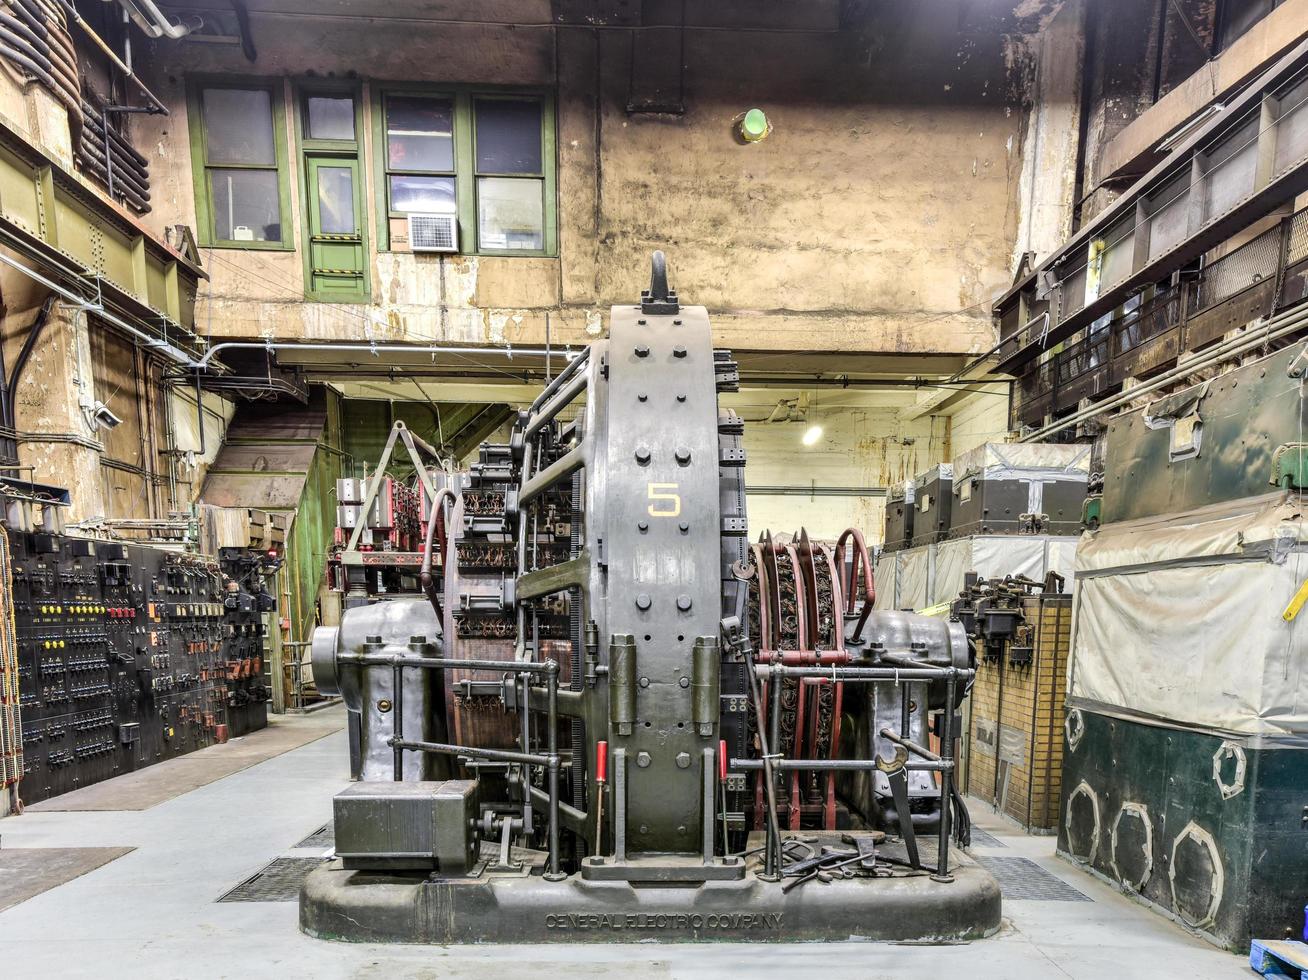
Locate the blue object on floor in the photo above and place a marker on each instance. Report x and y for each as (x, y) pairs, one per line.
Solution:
(1279, 958)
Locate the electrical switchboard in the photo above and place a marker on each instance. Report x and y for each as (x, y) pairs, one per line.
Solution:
(130, 654)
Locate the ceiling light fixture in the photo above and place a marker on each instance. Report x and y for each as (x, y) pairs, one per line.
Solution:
(811, 435)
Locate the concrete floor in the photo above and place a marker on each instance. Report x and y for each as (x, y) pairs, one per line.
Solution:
(152, 912)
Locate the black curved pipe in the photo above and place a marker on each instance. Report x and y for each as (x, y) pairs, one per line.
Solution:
(658, 276)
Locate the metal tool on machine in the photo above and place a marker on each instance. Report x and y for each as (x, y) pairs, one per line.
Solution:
(602, 713)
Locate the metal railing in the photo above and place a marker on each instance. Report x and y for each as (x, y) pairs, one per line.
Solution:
(1197, 309)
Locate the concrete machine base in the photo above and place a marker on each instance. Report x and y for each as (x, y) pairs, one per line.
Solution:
(522, 907)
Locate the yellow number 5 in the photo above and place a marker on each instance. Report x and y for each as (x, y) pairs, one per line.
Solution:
(664, 494)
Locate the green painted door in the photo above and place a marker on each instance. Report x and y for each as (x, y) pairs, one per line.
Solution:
(337, 256)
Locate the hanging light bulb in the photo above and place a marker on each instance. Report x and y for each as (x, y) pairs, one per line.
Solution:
(811, 435)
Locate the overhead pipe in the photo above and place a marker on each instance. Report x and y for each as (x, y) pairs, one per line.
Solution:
(100, 42)
(376, 349)
(153, 343)
(153, 21)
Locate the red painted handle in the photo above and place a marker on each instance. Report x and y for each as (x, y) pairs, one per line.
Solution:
(722, 761)
(602, 761)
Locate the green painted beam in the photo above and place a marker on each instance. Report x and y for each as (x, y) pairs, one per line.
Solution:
(63, 227)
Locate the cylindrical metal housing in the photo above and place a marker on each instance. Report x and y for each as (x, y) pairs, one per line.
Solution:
(622, 682)
(704, 699)
(387, 628)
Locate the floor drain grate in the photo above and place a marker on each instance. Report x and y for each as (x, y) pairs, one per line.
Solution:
(280, 881)
(981, 838)
(1020, 878)
(325, 836)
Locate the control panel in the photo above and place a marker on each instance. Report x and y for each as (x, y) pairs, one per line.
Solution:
(130, 654)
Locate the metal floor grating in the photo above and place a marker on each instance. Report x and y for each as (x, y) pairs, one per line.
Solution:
(1022, 879)
(280, 881)
(981, 838)
(325, 836)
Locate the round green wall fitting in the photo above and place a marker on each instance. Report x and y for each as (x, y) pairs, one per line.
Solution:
(754, 126)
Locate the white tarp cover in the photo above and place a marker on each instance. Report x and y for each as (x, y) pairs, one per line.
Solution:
(1015, 460)
(886, 580)
(915, 572)
(996, 556)
(1179, 619)
(919, 577)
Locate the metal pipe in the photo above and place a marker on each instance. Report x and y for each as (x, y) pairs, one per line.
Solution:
(494, 755)
(567, 812)
(575, 362)
(946, 782)
(199, 414)
(868, 674)
(99, 42)
(552, 748)
(152, 20)
(561, 400)
(82, 302)
(370, 348)
(444, 663)
(567, 464)
(397, 706)
(834, 765)
(125, 169)
(771, 862)
(424, 574)
(774, 739)
(910, 745)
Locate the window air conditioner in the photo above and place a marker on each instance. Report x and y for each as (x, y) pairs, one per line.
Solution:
(433, 233)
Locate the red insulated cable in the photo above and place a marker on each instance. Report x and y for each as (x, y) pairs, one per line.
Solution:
(722, 761)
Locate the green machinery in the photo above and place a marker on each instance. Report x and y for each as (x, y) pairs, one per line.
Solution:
(1186, 759)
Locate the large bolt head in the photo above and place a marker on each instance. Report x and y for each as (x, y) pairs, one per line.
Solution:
(643, 760)
(683, 760)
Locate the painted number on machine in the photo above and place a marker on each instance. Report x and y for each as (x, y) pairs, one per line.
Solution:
(664, 500)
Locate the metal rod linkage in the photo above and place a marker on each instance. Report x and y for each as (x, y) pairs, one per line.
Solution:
(867, 674)
(835, 765)
(444, 663)
(472, 752)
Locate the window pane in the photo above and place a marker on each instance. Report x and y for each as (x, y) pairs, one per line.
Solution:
(246, 205)
(508, 136)
(336, 201)
(510, 213)
(424, 194)
(330, 117)
(419, 133)
(238, 126)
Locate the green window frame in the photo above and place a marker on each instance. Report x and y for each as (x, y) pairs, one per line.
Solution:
(204, 165)
(333, 154)
(466, 176)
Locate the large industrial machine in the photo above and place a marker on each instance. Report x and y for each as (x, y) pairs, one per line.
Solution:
(601, 713)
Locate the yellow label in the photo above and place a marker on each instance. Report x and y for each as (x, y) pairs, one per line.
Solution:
(664, 500)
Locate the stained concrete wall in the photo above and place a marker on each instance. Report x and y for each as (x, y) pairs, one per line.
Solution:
(859, 448)
(879, 216)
